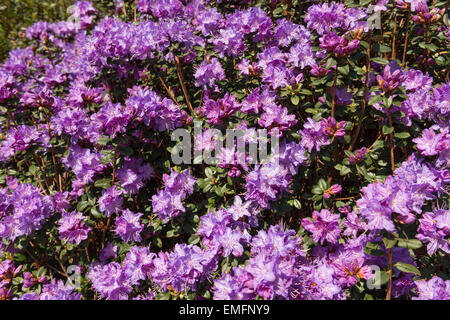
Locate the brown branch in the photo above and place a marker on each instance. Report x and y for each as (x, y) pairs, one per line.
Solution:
(169, 91)
(393, 36)
(366, 92)
(43, 264)
(36, 178)
(183, 86)
(388, 294)
(391, 141)
(52, 149)
(114, 166)
(370, 148)
(405, 44)
(333, 99)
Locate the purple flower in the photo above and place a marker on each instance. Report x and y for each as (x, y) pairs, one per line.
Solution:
(138, 263)
(73, 228)
(229, 42)
(183, 268)
(276, 119)
(128, 226)
(147, 106)
(114, 118)
(7, 272)
(21, 139)
(350, 268)
(111, 201)
(434, 228)
(108, 252)
(230, 242)
(24, 211)
(239, 209)
(378, 217)
(167, 205)
(314, 135)
(391, 78)
(224, 108)
(430, 143)
(324, 226)
(133, 173)
(433, 289)
(57, 290)
(84, 163)
(265, 183)
(417, 80)
(359, 156)
(7, 86)
(110, 281)
(333, 190)
(208, 72)
(323, 18)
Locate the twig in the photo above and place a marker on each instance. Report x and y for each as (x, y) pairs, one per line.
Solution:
(169, 91)
(405, 44)
(183, 86)
(333, 99)
(391, 141)
(114, 166)
(393, 37)
(388, 294)
(364, 102)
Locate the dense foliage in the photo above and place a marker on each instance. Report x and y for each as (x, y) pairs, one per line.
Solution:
(353, 206)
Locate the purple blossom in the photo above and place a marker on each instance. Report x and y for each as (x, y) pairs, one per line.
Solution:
(216, 111)
(391, 78)
(433, 289)
(108, 252)
(208, 72)
(434, 228)
(138, 263)
(111, 201)
(72, 227)
(324, 226)
(110, 281)
(133, 173)
(129, 227)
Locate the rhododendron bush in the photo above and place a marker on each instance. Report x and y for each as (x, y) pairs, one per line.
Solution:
(351, 204)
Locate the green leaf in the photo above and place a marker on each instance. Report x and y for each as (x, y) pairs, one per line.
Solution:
(209, 172)
(33, 169)
(383, 277)
(323, 184)
(103, 141)
(387, 130)
(375, 99)
(380, 60)
(382, 48)
(406, 267)
(82, 205)
(103, 183)
(402, 135)
(330, 63)
(297, 204)
(374, 249)
(409, 243)
(344, 170)
(96, 213)
(317, 190)
(389, 242)
(344, 69)
(295, 100)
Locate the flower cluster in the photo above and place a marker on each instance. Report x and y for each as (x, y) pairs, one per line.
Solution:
(167, 202)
